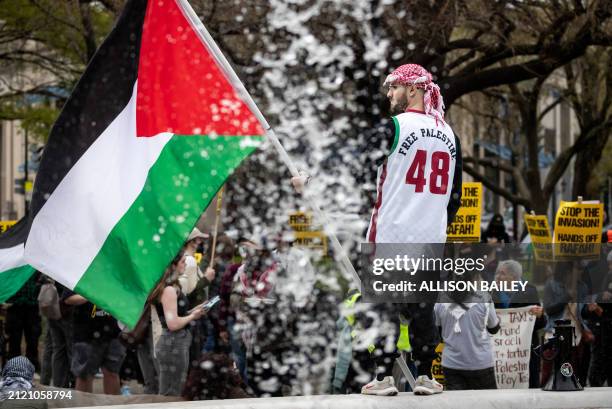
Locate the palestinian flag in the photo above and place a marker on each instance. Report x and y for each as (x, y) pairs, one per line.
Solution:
(14, 271)
(148, 136)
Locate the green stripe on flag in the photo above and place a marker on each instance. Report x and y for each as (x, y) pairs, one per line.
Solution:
(180, 185)
(12, 280)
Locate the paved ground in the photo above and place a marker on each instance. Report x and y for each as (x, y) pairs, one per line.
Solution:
(590, 398)
(135, 387)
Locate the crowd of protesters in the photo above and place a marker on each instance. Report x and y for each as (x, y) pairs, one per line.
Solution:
(247, 343)
(241, 344)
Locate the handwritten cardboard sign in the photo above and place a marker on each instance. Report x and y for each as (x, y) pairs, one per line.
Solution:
(512, 347)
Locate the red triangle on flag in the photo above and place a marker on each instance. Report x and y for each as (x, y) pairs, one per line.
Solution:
(181, 89)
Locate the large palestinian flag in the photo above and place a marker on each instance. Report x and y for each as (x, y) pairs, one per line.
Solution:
(14, 271)
(148, 136)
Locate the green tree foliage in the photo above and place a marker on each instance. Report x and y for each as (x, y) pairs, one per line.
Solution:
(44, 47)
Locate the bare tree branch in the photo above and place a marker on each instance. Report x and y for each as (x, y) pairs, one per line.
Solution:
(560, 164)
(505, 193)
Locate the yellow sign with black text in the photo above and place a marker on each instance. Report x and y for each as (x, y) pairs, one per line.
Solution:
(436, 365)
(466, 226)
(6, 224)
(578, 228)
(541, 240)
(305, 234)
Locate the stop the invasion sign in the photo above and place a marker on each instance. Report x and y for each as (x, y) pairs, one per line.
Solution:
(511, 348)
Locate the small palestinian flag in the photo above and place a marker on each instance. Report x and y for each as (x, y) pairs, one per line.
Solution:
(148, 136)
(14, 271)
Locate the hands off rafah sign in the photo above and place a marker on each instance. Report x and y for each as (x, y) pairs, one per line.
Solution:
(466, 226)
(578, 229)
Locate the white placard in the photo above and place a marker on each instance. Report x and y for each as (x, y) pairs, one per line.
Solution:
(512, 346)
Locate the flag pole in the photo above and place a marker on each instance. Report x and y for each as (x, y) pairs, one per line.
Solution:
(216, 230)
(210, 43)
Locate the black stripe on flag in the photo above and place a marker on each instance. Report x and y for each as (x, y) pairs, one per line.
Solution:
(101, 94)
(15, 234)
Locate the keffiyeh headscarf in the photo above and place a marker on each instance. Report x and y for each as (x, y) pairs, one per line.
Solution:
(414, 74)
(16, 375)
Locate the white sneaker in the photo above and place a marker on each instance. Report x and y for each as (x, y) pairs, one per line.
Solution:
(425, 386)
(386, 387)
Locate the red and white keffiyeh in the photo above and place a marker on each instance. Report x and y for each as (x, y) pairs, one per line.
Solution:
(414, 74)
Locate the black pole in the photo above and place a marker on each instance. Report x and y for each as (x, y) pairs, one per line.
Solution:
(515, 224)
(25, 173)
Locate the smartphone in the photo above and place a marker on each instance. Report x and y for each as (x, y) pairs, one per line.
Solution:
(207, 305)
(211, 303)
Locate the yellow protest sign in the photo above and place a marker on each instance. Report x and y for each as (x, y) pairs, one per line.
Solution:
(578, 228)
(5, 224)
(305, 234)
(466, 227)
(436, 365)
(541, 240)
(300, 221)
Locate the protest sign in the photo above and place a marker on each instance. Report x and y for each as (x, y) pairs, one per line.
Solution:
(436, 364)
(512, 348)
(578, 229)
(466, 226)
(5, 224)
(305, 234)
(538, 229)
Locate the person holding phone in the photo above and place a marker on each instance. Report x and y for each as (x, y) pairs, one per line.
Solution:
(172, 348)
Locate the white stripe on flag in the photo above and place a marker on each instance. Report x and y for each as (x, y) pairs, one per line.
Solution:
(11, 257)
(70, 229)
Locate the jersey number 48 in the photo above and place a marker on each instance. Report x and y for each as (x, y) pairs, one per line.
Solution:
(438, 177)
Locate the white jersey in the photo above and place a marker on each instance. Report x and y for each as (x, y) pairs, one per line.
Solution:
(415, 182)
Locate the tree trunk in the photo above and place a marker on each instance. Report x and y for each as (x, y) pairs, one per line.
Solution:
(529, 116)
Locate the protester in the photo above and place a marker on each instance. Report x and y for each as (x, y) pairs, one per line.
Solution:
(496, 231)
(225, 252)
(564, 294)
(353, 364)
(466, 319)
(256, 313)
(17, 375)
(225, 256)
(254, 278)
(226, 312)
(599, 318)
(61, 339)
(305, 308)
(421, 208)
(47, 356)
(146, 361)
(23, 321)
(195, 285)
(172, 348)
(511, 270)
(189, 278)
(95, 345)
